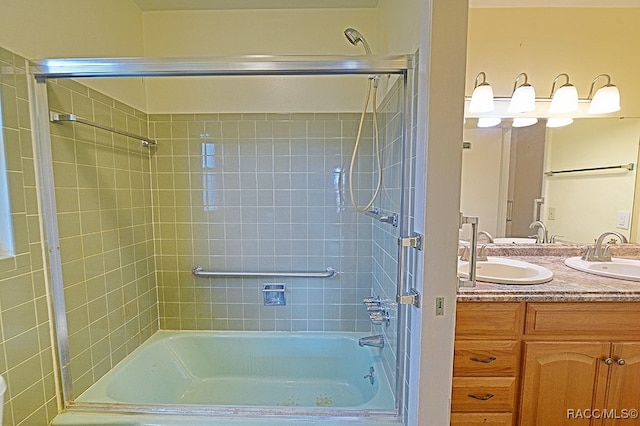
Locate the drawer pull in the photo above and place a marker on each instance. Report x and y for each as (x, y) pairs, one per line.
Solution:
(484, 397)
(483, 360)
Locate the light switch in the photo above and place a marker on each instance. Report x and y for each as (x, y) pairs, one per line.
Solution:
(622, 220)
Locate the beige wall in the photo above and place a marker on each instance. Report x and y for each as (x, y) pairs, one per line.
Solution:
(69, 28)
(544, 42)
(253, 32)
(586, 204)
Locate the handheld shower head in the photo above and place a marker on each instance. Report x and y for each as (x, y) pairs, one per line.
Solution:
(355, 37)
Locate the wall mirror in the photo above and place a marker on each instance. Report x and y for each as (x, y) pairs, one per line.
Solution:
(579, 180)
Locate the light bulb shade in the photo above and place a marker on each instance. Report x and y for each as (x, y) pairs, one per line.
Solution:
(606, 99)
(559, 121)
(482, 99)
(484, 122)
(564, 100)
(523, 99)
(524, 121)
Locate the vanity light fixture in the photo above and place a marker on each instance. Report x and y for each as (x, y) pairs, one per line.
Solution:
(524, 121)
(482, 97)
(606, 99)
(559, 121)
(485, 122)
(523, 98)
(565, 98)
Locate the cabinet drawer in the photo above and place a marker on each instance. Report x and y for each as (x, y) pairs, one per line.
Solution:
(582, 320)
(489, 320)
(483, 394)
(486, 358)
(481, 419)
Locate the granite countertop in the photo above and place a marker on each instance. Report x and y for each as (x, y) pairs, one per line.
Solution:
(568, 285)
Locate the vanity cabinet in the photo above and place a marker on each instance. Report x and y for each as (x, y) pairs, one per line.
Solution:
(486, 363)
(581, 364)
(546, 363)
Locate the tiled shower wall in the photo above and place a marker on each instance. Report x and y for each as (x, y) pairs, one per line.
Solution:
(261, 192)
(385, 237)
(26, 357)
(105, 221)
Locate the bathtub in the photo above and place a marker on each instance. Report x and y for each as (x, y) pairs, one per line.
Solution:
(248, 369)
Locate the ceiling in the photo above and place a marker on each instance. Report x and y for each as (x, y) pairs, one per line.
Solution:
(158, 5)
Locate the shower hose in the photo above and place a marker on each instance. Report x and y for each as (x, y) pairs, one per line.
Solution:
(373, 84)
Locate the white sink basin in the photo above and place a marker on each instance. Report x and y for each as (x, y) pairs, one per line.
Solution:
(514, 240)
(624, 269)
(500, 270)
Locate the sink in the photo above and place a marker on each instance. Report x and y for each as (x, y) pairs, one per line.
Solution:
(500, 270)
(514, 240)
(624, 269)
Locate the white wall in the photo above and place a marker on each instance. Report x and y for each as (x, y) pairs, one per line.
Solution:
(483, 168)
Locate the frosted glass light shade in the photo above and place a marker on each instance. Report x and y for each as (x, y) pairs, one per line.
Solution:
(559, 121)
(564, 100)
(606, 99)
(482, 99)
(524, 121)
(484, 122)
(523, 99)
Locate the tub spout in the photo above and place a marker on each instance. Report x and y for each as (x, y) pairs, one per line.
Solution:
(376, 341)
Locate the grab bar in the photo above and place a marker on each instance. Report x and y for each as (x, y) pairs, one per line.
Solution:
(199, 271)
(54, 117)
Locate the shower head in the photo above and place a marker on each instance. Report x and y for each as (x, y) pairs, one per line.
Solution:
(355, 37)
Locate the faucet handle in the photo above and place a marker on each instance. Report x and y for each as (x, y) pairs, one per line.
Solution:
(466, 254)
(482, 253)
(588, 254)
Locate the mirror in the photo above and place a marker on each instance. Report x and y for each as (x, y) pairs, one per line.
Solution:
(507, 178)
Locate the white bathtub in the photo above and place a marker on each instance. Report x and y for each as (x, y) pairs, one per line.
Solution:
(255, 369)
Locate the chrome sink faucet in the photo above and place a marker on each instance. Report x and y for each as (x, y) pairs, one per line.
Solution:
(544, 238)
(487, 235)
(599, 254)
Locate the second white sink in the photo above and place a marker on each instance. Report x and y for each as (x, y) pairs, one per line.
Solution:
(625, 269)
(514, 240)
(500, 270)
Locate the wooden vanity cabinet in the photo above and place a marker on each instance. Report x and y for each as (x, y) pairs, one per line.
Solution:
(546, 364)
(486, 363)
(581, 365)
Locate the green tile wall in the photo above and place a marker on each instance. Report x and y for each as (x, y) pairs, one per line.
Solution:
(105, 220)
(26, 357)
(261, 192)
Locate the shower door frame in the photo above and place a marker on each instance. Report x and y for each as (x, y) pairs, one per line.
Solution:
(252, 65)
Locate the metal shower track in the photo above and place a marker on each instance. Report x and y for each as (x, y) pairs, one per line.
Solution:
(250, 65)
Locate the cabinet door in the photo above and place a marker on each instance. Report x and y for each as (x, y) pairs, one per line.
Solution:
(623, 396)
(561, 380)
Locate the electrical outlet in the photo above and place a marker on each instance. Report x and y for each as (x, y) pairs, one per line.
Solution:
(623, 219)
(552, 213)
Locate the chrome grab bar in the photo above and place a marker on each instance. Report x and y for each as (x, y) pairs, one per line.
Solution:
(199, 271)
(54, 117)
